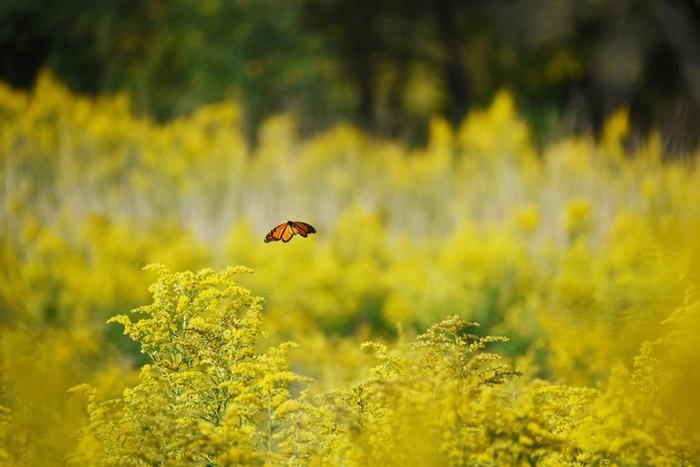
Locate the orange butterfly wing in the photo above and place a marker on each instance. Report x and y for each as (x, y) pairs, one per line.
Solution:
(287, 230)
(287, 233)
(276, 233)
(302, 228)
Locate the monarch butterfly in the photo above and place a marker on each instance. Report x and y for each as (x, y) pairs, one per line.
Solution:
(287, 230)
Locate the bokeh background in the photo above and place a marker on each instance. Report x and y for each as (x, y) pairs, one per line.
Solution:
(386, 65)
(531, 166)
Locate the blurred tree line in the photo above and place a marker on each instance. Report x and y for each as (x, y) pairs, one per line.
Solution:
(385, 64)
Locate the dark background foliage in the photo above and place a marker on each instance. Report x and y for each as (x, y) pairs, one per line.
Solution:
(385, 64)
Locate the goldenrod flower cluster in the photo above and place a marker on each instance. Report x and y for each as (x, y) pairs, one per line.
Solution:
(583, 252)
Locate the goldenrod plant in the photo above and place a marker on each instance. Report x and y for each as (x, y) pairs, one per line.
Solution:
(206, 395)
(210, 395)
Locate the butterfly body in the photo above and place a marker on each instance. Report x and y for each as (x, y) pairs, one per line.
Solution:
(287, 230)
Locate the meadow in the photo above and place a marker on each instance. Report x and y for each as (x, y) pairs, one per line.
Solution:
(481, 300)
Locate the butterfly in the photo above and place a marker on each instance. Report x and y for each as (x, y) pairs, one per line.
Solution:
(287, 230)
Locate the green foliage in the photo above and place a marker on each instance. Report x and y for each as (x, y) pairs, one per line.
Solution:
(171, 57)
(389, 64)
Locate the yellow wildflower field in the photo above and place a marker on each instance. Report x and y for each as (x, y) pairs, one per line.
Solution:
(481, 300)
